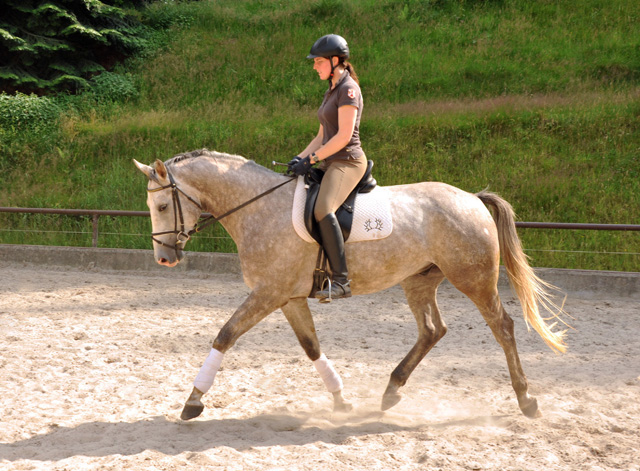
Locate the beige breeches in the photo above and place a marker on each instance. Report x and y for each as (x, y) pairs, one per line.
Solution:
(340, 178)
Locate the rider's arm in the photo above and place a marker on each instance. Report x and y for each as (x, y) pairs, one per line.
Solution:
(314, 145)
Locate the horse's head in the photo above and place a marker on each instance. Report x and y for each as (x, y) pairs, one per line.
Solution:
(174, 213)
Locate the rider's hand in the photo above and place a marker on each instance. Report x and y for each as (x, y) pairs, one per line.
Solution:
(292, 163)
(300, 166)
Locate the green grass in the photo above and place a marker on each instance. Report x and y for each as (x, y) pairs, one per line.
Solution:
(539, 101)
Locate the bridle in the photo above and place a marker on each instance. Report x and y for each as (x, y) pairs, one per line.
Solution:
(183, 237)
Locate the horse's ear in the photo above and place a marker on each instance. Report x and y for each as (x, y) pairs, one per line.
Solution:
(161, 170)
(148, 171)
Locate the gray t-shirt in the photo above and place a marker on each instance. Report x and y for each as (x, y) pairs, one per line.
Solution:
(346, 92)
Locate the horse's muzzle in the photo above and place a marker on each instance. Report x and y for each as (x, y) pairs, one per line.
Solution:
(167, 263)
(170, 259)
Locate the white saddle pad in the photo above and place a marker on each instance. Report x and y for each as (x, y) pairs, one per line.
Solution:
(371, 219)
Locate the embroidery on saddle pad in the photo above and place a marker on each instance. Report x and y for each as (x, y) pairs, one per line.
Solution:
(371, 220)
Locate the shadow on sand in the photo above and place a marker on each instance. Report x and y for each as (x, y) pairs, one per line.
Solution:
(174, 437)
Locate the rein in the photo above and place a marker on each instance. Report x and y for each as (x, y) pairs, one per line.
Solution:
(212, 219)
(183, 237)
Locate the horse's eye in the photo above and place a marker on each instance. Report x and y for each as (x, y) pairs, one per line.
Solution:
(162, 207)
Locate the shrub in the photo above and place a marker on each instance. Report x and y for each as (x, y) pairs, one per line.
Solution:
(22, 112)
(110, 87)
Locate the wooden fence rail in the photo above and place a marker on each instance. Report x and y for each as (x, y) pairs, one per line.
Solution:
(96, 213)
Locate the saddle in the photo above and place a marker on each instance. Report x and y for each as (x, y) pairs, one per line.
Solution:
(344, 214)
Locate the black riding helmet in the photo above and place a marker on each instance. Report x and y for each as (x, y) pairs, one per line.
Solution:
(330, 46)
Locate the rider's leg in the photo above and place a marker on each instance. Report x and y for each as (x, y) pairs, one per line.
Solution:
(333, 244)
(340, 178)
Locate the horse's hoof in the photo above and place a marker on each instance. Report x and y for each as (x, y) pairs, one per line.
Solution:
(191, 411)
(389, 400)
(530, 409)
(343, 407)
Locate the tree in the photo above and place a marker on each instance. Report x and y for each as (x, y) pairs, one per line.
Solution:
(54, 45)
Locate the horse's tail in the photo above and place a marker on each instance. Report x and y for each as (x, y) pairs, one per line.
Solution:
(530, 289)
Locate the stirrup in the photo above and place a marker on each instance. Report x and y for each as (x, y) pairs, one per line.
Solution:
(326, 295)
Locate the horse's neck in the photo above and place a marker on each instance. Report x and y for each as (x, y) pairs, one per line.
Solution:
(225, 182)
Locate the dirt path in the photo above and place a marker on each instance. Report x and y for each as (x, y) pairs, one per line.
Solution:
(95, 367)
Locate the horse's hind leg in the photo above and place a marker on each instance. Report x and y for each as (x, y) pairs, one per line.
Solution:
(421, 295)
(299, 316)
(502, 328)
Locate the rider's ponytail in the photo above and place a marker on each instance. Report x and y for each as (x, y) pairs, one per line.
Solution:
(348, 66)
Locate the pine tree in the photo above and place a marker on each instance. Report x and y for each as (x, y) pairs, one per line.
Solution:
(53, 45)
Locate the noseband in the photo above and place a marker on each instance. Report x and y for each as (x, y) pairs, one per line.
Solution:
(183, 237)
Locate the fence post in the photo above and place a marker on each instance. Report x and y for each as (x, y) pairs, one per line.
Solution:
(94, 223)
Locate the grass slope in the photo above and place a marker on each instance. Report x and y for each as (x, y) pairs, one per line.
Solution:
(539, 101)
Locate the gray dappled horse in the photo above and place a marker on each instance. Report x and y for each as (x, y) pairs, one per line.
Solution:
(439, 232)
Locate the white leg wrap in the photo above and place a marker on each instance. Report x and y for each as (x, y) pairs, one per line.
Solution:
(331, 379)
(207, 373)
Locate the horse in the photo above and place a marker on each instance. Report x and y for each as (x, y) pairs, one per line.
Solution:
(439, 231)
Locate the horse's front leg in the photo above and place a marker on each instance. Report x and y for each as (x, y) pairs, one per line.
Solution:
(299, 316)
(256, 307)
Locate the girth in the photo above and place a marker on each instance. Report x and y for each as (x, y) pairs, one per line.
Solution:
(344, 214)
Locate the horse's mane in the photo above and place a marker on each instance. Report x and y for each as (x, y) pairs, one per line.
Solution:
(204, 153)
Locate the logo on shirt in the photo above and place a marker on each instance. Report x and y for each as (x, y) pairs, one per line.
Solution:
(351, 93)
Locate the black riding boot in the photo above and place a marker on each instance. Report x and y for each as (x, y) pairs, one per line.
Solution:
(333, 245)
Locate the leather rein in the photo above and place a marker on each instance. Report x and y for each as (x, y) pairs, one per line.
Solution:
(183, 237)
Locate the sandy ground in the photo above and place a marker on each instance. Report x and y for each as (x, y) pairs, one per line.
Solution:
(95, 367)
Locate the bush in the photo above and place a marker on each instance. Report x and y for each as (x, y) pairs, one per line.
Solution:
(110, 87)
(29, 124)
(32, 113)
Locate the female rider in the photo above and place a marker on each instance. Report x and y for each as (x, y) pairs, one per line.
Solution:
(337, 148)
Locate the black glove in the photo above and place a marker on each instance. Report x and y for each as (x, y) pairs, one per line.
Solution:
(299, 166)
(292, 163)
